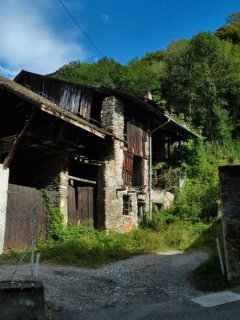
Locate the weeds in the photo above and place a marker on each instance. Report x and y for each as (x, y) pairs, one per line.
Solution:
(85, 246)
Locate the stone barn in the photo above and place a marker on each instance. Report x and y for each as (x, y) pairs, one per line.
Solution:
(93, 146)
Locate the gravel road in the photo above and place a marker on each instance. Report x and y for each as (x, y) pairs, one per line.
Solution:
(141, 280)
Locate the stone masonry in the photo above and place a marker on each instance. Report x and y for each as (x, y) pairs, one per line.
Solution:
(63, 193)
(230, 207)
(112, 119)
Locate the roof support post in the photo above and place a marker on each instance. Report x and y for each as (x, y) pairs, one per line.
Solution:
(150, 165)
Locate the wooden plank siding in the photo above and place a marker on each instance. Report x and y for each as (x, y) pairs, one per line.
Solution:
(85, 204)
(72, 97)
(81, 204)
(128, 168)
(133, 158)
(72, 204)
(135, 139)
(26, 216)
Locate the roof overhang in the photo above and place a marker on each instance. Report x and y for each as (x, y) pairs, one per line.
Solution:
(49, 107)
(150, 107)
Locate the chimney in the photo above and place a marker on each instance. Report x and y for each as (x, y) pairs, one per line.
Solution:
(148, 95)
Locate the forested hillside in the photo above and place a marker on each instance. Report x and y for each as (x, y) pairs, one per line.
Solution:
(198, 79)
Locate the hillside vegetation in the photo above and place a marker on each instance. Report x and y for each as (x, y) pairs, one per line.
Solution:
(197, 79)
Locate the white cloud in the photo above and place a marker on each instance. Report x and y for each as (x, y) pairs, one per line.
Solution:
(8, 73)
(105, 18)
(29, 40)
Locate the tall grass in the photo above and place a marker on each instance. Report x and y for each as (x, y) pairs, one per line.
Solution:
(85, 246)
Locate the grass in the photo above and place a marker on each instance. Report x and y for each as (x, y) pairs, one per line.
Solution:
(83, 246)
(14, 257)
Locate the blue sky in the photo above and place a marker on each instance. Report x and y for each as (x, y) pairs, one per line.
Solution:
(38, 35)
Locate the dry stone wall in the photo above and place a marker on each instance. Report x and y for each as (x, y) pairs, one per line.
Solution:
(230, 208)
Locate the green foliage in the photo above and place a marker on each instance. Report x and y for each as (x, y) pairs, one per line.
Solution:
(233, 17)
(198, 199)
(196, 83)
(85, 246)
(12, 257)
(197, 78)
(106, 73)
(54, 227)
(230, 32)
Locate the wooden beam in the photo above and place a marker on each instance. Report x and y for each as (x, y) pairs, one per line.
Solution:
(86, 160)
(64, 117)
(48, 141)
(16, 143)
(9, 138)
(81, 180)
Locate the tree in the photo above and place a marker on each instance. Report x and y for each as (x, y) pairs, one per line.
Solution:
(106, 73)
(233, 17)
(231, 31)
(196, 80)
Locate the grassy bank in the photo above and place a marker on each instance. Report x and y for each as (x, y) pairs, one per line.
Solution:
(84, 246)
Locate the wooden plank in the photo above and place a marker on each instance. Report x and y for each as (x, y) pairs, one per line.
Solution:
(87, 127)
(128, 168)
(135, 139)
(72, 204)
(70, 97)
(26, 216)
(85, 203)
(19, 220)
(82, 180)
(86, 103)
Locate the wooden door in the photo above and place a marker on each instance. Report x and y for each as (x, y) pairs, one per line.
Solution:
(72, 204)
(26, 216)
(85, 204)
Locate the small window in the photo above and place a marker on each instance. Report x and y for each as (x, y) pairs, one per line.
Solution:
(127, 205)
(137, 178)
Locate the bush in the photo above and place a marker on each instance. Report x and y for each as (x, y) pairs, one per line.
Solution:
(198, 199)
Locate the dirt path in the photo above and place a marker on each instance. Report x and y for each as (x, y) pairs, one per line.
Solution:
(144, 279)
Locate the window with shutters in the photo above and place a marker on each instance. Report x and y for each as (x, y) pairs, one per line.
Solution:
(128, 169)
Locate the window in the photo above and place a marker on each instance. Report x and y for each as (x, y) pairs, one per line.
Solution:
(137, 178)
(127, 205)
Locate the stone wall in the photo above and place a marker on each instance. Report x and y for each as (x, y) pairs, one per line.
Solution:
(63, 193)
(22, 300)
(110, 184)
(4, 174)
(230, 208)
